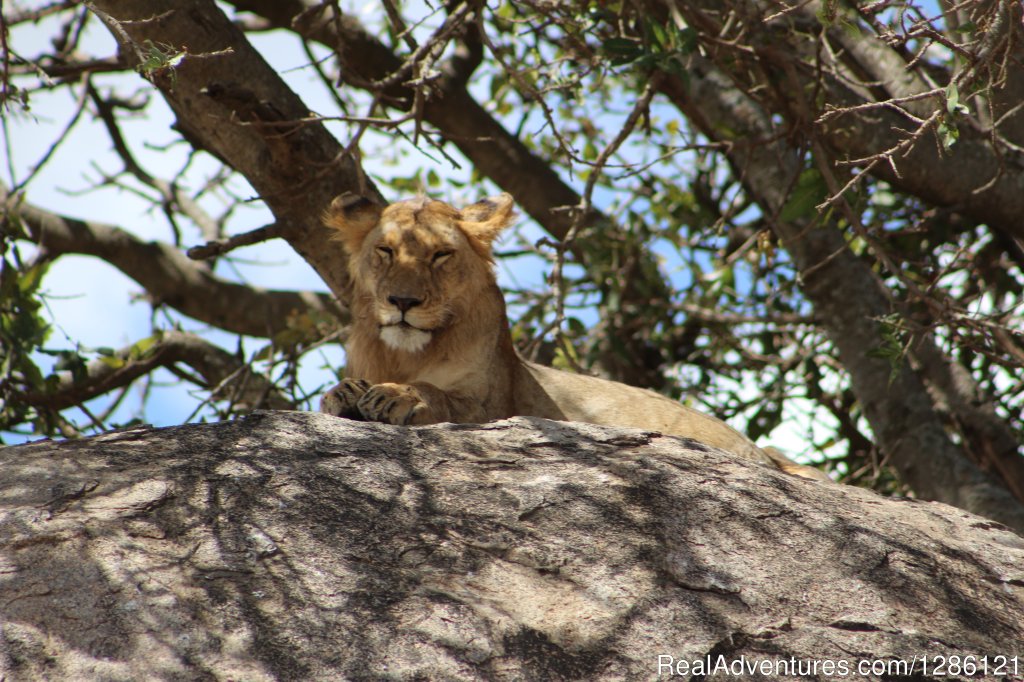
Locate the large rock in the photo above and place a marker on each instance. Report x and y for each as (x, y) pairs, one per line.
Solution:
(300, 546)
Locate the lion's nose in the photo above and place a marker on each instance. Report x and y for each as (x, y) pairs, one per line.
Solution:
(404, 303)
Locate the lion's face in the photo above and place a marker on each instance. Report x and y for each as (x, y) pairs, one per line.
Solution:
(417, 265)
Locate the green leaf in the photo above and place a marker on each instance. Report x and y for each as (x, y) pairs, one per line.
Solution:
(892, 347)
(831, 12)
(70, 361)
(620, 46)
(565, 361)
(948, 132)
(31, 375)
(142, 347)
(575, 327)
(851, 29)
(810, 191)
(725, 276)
(686, 40)
(858, 246)
(622, 50)
(883, 197)
(31, 278)
(953, 105)
(265, 353)
(25, 327)
(952, 97)
(113, 362)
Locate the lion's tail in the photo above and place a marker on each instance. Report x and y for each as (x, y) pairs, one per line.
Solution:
(790, 467)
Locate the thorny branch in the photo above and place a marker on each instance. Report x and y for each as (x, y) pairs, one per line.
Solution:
(580, 212)
(167, 275)
(229, 378)
(219, 248)
(174, 199)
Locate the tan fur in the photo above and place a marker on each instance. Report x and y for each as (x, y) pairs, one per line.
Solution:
(430, 340)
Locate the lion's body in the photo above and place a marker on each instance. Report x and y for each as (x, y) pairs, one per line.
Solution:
(430, 340)
(553, 394)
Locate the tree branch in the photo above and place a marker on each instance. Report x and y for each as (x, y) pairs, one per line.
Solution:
(221, 246)
(986, 436)
(230, 102)
(971, 174)
(167, 275)
(486, 143)
(172, 195)
(232, 379)
(896, 403)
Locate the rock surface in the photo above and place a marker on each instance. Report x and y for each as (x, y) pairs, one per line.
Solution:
(298, 546)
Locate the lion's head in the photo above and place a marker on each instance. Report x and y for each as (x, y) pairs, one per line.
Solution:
(417, 266)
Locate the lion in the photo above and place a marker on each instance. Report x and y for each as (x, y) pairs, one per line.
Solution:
(430, 338)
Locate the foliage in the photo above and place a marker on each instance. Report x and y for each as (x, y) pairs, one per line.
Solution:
(23, 331)
(674, 269)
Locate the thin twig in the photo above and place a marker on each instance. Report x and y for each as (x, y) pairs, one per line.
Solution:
(79, 109)
(583, 210)
(219, 248)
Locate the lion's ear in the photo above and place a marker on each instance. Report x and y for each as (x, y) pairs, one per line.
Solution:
(352, 217)
(485, 219)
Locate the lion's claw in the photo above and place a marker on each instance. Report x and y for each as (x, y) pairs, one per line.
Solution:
(391, 404)
(343, 399)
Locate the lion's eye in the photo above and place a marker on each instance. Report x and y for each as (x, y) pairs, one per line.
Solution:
(441, 256)
(385, 251)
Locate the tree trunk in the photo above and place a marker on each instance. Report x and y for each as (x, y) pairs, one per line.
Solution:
(300, 546)
(230, 103)
(850, 301)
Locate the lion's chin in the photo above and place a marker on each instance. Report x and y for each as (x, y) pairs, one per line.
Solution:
(404, 337)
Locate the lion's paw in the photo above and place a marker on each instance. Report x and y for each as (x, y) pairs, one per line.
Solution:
(392, 404)
(342, 400)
